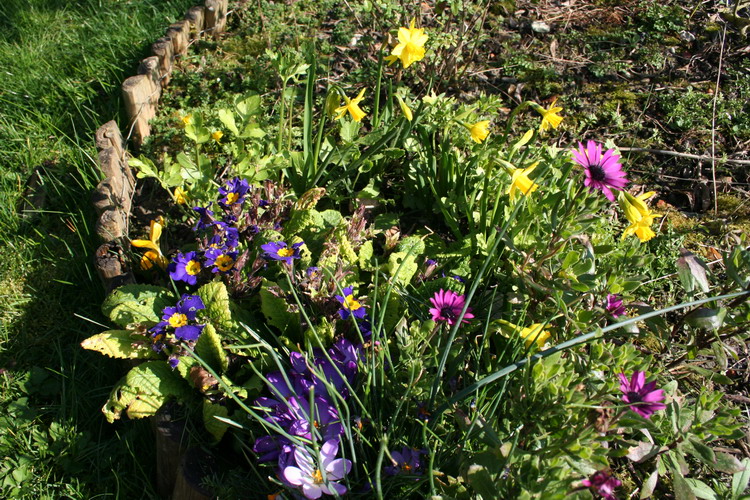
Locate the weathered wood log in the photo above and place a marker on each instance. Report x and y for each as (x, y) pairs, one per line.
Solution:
(112, 225)
(195, 465)
(180, 34)
(171, 443)
(141, 98)
(151, 68)
(216, 16)
(196, 16)
(162, 49)
(108, 135)
(111, 266)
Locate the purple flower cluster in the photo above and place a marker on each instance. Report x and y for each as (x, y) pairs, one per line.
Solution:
(178, 323)
(302, 406)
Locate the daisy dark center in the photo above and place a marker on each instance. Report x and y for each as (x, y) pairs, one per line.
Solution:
(597, 173)
(634, 397)
(448, 313)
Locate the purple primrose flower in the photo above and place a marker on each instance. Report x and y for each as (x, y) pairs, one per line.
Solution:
(350, 305)
(643, 397)
(278, 250)
(185, 267)
(180, 319)
(222, 260)
(234, 192)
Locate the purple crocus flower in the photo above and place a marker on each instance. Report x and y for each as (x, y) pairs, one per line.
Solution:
(602, 171)
(222, 260)
(614, 305)
(307, 473)
(271, 448)
(278, 250)
(447, 306)
(408, 461)
(643, 397)
(185, 267)
(234, 192)
(603, 484)
(323, 416)
(350, 305)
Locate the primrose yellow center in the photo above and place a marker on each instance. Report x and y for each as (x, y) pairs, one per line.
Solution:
(177, 320)
(193, 267)
(285, 252)
(317, 476)
(224, 262)
(232, 198)
(351, 303)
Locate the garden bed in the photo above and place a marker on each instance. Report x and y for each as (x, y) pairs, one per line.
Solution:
(418, 290)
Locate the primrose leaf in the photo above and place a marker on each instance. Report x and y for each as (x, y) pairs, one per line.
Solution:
(121, 344)
(143, 390)
(214, 426)
(401, 267)
(276, 309)
(411, 244)
(137, 304)
(209, 349)
(216, 299)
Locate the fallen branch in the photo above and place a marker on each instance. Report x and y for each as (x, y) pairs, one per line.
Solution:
(686, 155)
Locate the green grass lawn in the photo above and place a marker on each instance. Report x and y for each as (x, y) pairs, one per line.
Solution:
(62, 63)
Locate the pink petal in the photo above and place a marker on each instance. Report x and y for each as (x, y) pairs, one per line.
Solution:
(293, 475)
(312, 491)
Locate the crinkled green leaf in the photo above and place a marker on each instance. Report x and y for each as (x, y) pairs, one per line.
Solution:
(215, 427)
(216, 299)
(331, 218)
(346, 249)
(276, 309)
(365, 256)
(122, 344)
(303, 220)
(401, 267)
(209, 349)
(411, 244)
(137, 304)
(143, 390)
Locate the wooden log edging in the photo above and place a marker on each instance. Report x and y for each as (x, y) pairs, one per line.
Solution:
(112, 200)
(141, 93)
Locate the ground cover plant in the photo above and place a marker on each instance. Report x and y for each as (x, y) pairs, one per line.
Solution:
(369, 285)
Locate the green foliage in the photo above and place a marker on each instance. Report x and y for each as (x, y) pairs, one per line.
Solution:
(216, 299)
(122, 344)
(210, 350)
(144, 390)
(136, 304)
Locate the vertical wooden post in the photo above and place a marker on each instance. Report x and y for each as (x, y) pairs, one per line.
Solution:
(162, 49)
(140, 96)
(196, 16)
(179, 33)
(216, 16)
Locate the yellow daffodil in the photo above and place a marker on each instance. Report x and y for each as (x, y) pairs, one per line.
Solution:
(550, 116)
(390, 59)
(187, 120)
(534, 334)
(352, 106)
(153, 255)
(405, 108)
(519, 181)
(217, 135)
(638, 214)
(410, 48)
(180, 196)
(479, 131)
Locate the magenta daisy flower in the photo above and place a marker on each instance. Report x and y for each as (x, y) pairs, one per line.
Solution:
(448, 306)
(603, 484)
(643, 397)
(603, 171)
(614, 305)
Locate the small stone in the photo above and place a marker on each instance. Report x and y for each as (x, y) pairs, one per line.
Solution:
(540, 27)
(686, 36)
